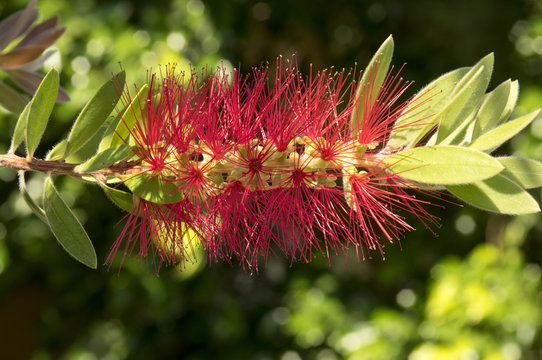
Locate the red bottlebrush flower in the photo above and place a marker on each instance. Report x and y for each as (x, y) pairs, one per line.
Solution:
(253, 169)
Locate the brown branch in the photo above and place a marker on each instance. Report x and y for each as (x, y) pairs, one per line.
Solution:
(60, 167)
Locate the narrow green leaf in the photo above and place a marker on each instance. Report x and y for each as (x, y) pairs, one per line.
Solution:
(36, 209)
(40, 110)
(95, 113)
(465, 98)
(496, 107)
(57, 152)
(108, 134)
(459, 135)
(444, 165)
(497, 194)
(496, 137)
(130, 117)
(19, 131)
(90, 148)
(525, 172)
(122, 199)
(152, 189)
(105, 159)
(420, 116)
(371, 82)
(11, 99)
(67, 229)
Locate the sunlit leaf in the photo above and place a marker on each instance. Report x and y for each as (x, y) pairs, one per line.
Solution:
(465, 98)
(496, 137)
(130, 117)
(525, 172)
(150, 188)
(57, 152)
(419, 117)
(95, 113)
(66, 228)
(496, 107)
(443, 165)
(40, 110)
(105, 158)
(497, 194)
(20, 129)
(371, 82)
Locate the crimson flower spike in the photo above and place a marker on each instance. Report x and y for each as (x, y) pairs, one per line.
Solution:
(246, 167)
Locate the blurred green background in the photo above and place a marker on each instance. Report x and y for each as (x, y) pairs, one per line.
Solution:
(473, 292)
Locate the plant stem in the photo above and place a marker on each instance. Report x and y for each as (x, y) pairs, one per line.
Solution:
(59, 167)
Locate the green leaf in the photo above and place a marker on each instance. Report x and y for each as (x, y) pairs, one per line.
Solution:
(40, 109)
(525, 172)
(11, 99)
(419, 117)
(19, 131)
(465, 98)
(497, 194)
(95, 113)
(90, 148)
(496, 107)
(459, 135)
(57, 152)
(130, 117)
(371, 82)
(109, 132)
(67, 229)
(496, 137)
(445, 165)
(122, 199)
(105, 159)
(152, 189)
(36, 209)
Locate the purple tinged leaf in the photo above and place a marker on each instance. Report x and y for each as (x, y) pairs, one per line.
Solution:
(38, 63)
(41, 36)
(11, 99)
(29, 82)
(17, 23)
(19, 57)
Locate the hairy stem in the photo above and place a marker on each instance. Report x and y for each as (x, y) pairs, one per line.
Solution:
(59, 167)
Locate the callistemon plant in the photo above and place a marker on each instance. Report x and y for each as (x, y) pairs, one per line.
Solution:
(288, 164)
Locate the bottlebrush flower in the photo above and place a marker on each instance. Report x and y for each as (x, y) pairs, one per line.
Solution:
(256, 170)
(250, 166)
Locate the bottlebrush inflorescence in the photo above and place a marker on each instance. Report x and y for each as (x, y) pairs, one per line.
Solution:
(277, 161)
(251, 166)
